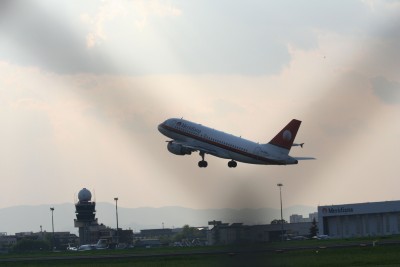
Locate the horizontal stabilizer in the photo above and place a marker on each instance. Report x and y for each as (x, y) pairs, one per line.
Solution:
(300, 145)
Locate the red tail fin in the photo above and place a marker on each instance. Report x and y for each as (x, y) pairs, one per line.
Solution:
(286, 136)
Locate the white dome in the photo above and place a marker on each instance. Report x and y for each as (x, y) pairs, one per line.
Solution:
(84, 195)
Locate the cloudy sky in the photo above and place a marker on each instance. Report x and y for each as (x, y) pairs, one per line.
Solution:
(84, 84)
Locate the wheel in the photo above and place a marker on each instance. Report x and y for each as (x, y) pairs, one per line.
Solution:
(202, 164)
(232, 164)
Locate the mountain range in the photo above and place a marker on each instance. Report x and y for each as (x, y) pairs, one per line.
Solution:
(34, 218)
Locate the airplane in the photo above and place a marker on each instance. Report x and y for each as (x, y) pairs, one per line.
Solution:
(188, 137)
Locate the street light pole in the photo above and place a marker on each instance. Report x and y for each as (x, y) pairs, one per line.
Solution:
(280, 195)
(116, 214)
(52, 224)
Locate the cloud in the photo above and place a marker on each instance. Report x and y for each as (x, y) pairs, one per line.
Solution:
(109, 10)
(388, 91)
(147, 9)
(101, 129)
(139, 12)
(164, 37)
(33, 34)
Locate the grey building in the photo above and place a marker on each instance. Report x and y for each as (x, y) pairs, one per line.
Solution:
(224, 233)
(360, 219)
(296, 218)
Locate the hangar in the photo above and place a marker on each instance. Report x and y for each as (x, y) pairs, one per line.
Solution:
(360, 219)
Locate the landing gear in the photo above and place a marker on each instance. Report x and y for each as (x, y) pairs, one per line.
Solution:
(202, 162)
(232, 164)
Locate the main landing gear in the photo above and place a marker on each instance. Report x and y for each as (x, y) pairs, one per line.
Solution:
(202, 162)
(232, 164)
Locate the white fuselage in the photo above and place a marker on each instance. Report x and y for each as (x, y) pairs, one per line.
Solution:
(198, 137)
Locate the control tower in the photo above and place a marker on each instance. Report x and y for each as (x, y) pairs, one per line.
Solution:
(85, 216)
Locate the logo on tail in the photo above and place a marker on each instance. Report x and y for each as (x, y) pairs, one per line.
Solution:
(286, 136)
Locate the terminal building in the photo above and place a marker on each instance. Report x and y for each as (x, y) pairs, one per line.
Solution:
(359, 220)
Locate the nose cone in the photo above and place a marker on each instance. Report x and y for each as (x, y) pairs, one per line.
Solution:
(165, 127)
(162, 129)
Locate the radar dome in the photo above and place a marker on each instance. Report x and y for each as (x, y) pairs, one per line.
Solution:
(84, 195)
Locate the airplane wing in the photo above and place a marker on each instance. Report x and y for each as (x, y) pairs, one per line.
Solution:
(202, 149)
(197, 148)
(303, 158)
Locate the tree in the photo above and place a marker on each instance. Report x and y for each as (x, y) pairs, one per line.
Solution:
(313, 228)
(188, 233)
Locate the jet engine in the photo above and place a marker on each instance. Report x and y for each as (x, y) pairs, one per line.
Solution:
(178, 149)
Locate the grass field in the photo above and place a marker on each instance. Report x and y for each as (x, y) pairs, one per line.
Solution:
(263, 255)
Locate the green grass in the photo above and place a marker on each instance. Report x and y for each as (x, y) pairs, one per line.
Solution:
(357, 256)
(251, 255)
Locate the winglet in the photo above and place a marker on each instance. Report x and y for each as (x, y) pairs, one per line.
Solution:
(286, 136)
